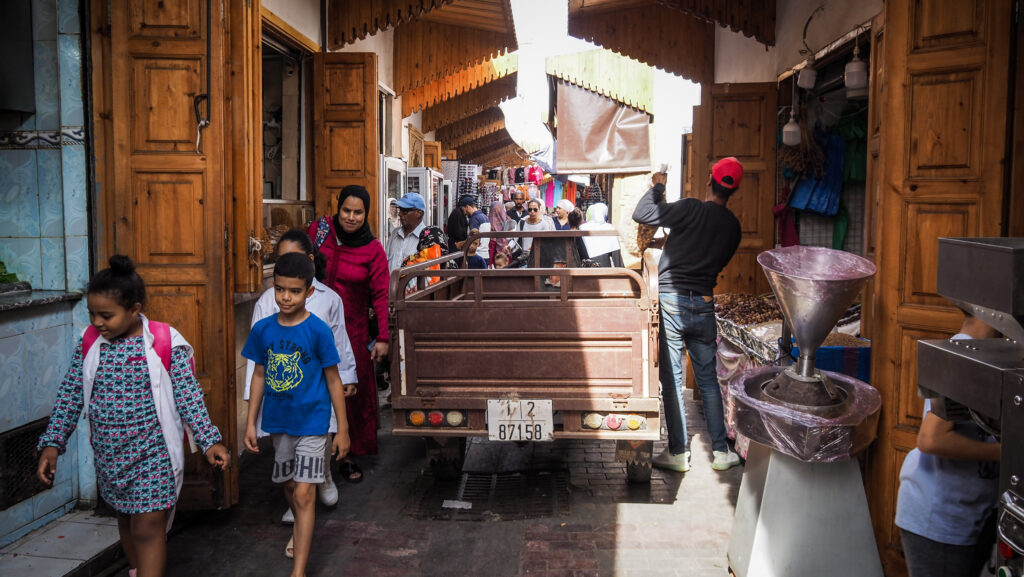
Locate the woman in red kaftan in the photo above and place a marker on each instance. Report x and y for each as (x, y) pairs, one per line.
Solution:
(357, 269)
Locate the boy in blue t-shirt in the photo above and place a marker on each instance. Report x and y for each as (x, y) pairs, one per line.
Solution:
(295, 355)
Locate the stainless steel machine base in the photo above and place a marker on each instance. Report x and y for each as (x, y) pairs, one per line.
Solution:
(797, 519)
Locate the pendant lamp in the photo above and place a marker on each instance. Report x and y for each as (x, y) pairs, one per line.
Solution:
(856, 76)
(791, 131)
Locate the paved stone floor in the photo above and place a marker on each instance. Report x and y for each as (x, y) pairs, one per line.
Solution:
(677, 525)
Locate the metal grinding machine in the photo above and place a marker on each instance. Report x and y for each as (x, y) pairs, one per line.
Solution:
(801, 509)
(983, 379)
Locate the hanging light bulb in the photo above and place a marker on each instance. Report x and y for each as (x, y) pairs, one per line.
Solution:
(808, 76)
(791, 131)
(856, 76)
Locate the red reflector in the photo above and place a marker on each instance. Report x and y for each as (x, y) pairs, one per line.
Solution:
(436, 418)
(1005, 551)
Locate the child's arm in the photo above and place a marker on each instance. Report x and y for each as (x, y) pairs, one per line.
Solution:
(188, 400)
(334, 387)
(255, 402)
(70, 400)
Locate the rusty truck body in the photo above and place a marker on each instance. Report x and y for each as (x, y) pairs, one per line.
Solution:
(527, 354)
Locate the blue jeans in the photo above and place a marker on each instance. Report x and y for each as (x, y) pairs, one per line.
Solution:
(688, 321)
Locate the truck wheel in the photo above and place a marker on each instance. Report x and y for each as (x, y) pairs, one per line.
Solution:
(445, 455)
(638, 472)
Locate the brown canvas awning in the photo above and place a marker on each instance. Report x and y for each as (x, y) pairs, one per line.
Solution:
(599, 135)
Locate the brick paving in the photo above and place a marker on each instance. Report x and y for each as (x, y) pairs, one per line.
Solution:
(678, 525)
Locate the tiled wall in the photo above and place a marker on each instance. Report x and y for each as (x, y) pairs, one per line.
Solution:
(44, 240)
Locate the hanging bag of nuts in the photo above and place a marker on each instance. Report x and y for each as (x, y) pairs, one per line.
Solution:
(645, 232)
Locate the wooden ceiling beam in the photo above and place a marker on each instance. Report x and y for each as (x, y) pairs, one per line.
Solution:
(663, 37)
(487, 143)
(458, 83)
(470, 103)
(348, 20)
(428, 51)
(477, 126)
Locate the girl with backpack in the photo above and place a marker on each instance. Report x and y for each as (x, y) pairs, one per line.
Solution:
(135, 380)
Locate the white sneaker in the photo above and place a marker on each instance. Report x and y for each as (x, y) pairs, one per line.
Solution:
(288, 518)
(328, 492)
(725, 460)
(666, 460)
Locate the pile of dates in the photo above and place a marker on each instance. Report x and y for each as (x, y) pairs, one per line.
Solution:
(745, 309)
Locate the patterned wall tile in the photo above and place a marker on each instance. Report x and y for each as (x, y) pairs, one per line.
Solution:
(77, 250)
(73, 172)
(44, 19)
(79, 320)
(14, 408)
(21, 321)
(51, 193)
(21, 256)
(71, 113)
(47, 85)
(54, 276)
(19, 199)
(48, 353)
(68, 14)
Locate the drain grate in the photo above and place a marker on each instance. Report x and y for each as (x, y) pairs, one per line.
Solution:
(492, 497)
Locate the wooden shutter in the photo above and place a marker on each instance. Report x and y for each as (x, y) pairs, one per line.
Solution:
(432, 154)
(345, 128)
(739, 120)
(162, 202)
(946, 69)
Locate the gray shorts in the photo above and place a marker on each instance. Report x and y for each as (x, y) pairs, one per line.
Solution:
(299, 458)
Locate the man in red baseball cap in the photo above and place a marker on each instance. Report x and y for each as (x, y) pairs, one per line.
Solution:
(702, 238)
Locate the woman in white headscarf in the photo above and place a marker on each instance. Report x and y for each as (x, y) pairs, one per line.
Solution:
(603, 250)
(562, 210)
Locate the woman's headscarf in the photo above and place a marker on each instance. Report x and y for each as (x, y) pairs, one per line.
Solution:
(363, 235)
(499, 219)
(566, 205)
(597, 219)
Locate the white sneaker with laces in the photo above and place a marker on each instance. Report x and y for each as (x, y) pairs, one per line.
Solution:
(666, 460)
(288, 518)
(725, 460)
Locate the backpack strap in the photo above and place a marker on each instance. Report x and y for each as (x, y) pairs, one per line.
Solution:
(89, 339)
(162, 342)
(323, 228)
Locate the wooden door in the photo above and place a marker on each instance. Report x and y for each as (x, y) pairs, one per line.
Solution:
(345, 128)
(162, 202)
(875, 162)
(946, 66)
(739, 120)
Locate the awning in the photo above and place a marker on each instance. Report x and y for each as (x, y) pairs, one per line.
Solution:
(599, 135)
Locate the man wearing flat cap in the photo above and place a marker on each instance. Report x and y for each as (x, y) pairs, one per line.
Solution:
(405, 238)
(702, 238)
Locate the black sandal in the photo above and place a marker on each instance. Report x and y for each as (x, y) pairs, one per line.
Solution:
(351, 471)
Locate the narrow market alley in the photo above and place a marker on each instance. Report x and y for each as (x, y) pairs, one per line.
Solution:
(572, 514)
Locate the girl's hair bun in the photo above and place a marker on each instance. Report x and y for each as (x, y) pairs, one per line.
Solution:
(121, 265)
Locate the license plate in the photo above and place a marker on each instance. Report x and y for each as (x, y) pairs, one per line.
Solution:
(519, 420)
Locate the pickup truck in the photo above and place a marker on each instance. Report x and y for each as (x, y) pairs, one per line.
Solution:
(526, 354)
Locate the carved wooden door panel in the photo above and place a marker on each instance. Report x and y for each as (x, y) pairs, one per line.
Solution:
(432, 154)
(162, 202)
(739, 120)
(946, 68)
(345, 128)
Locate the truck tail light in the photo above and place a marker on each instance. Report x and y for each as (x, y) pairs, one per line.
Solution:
(417, 418)
(614, 421)
(593, 420)
(1005, 551)
(454, 418)
(436, 418)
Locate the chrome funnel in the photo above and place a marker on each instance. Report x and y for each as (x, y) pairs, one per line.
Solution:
(814, 287)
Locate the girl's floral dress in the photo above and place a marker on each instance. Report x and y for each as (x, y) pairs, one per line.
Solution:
(133, 466)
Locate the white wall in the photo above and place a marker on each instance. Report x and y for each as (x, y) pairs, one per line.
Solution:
(674, 99)
(383, 43)
(742, 59)
(838, 18)
(303, 15)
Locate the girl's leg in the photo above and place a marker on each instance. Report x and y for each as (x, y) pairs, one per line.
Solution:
(149, 535)
(304, 505)
(124, 529)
